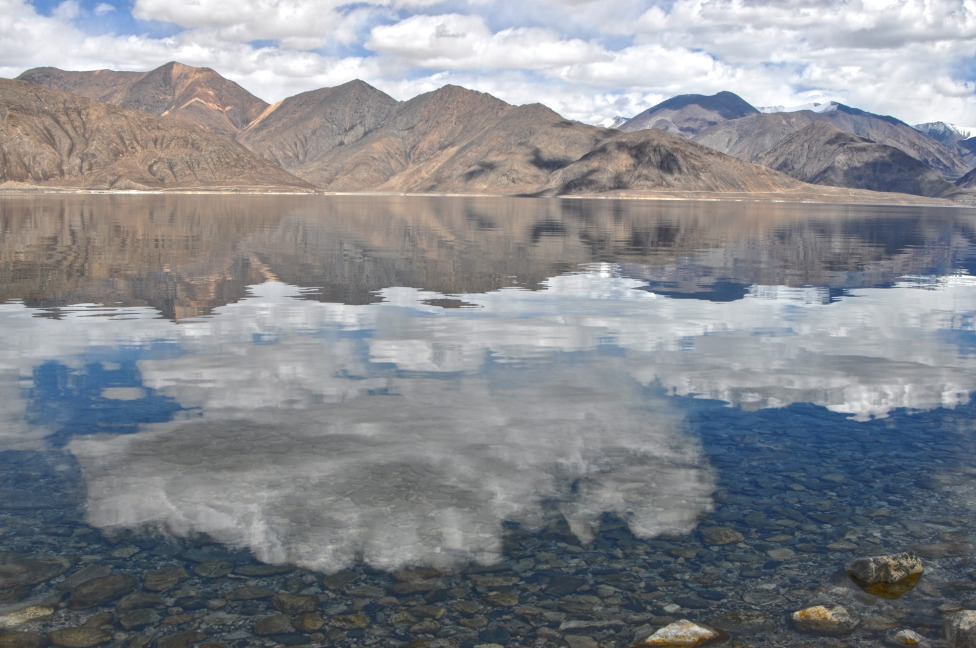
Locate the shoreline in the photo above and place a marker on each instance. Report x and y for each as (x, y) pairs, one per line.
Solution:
(828, 197)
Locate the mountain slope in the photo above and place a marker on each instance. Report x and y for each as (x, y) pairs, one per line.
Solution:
(691, 113)
(656, 160)
(298, 131)
(54, 138)
(750, 137)
(823, 154)
(197, 96)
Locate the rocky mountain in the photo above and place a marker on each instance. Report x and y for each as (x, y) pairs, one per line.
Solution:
(750, 137)
(451, 140)
(300, 131)
(655, 160)
(823, 154)
(691, 113)
(968, 181)
(961, 140)
(197, 96)
(54, 138)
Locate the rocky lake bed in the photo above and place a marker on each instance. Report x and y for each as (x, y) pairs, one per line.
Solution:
(769, 557)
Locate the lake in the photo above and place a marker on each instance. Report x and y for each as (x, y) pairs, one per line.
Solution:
(417, 421)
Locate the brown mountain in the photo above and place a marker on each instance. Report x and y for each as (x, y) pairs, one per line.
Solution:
(57, 139)
(197, 96)
(691, 113)
(298, 132)
(451, 140)
(823, 154)
(656, 160)
(750, 137)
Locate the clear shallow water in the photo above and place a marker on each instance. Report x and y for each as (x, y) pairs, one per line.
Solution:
(546, 401)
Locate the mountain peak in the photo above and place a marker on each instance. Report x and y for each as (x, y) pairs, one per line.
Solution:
(690, 113)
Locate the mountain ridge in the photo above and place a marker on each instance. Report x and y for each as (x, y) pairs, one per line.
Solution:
(355, 138)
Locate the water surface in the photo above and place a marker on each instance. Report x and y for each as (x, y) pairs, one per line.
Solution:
(533, 389)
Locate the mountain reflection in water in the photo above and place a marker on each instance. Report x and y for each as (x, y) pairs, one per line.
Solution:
(336, 409)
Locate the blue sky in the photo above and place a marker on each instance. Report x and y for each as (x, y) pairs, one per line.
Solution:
(586, 59)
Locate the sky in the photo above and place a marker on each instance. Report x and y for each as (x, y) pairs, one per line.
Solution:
(587, 59)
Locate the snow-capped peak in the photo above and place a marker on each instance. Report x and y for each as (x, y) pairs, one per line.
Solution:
(827, 106)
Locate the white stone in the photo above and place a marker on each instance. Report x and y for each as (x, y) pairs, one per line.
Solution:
(680, 634)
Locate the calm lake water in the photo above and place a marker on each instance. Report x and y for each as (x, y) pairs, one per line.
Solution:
(408, 421)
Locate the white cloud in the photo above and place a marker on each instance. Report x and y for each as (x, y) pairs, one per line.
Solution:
(457, 42)
(912, 59)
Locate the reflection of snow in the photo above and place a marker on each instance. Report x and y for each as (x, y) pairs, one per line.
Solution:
(407, 432)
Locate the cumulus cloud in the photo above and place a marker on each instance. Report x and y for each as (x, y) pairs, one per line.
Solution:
(455, 42)
(588, 59)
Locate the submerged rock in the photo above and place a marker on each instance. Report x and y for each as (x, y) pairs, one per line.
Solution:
(888, 576)
(22, 640)
(720, 535)
(101, 590)
(960, 629)
(825, 620)
(22, 616)
(84, 637)
(682, 634)
(905, 638)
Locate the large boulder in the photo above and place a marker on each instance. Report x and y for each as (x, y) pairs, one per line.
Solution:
(887, 576)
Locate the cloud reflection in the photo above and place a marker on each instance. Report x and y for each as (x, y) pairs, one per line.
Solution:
(401, 432)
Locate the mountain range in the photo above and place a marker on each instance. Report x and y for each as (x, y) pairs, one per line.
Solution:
(181, 127)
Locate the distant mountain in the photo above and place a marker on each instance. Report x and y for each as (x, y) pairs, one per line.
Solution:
(613, 122)
(691, 113)
(961, 140)
(197, 96)
(823, 154)
(656, 160)
(54, 138)
(750, 137)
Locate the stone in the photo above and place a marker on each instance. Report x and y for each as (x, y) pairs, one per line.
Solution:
(160, 580)
(579, 641)
(309, 622)
(101, 590)
(181, 639)
(425, 626)
(263, 571)
(22, 640)
(292, 604)
(214, 569)
(960, 629)
(274, 624)
(19, 572)
(78, 637)
(139, 618)
(905, 637)
(780, 553)
(248, 593)
(339, 579)
(720, 535)
(86, 573)
(138, 600)
(682, 634)
(824, 620)
(888, 576)
(350, 621)
(23, 615)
